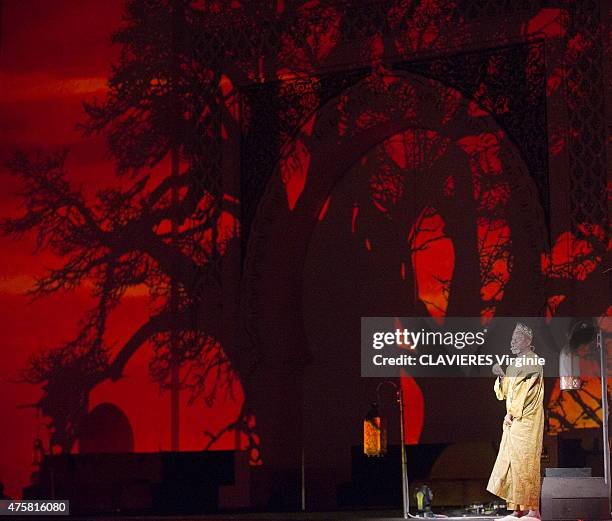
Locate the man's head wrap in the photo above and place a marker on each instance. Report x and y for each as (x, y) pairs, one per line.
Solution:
(525, 330)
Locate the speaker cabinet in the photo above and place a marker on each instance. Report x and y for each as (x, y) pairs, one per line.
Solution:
(570, 494)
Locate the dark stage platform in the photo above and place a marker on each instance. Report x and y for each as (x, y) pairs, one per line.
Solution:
(389, 515)
(316, 516)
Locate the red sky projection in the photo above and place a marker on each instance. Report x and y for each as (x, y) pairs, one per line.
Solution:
(55, 54)
(45, 75)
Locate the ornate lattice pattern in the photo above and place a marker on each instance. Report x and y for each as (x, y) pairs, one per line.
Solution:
(525, 119)
(587, 149)
(272, 116)
(516, 98)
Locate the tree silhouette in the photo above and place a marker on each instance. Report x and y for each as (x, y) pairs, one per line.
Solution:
(166, 233)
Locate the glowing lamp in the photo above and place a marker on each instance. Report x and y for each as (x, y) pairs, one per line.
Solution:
(581, 334)
(374, 433)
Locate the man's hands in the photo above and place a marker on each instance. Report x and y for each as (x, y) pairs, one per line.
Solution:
(498, 371)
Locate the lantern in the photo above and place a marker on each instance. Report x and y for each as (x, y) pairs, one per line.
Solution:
(374, 433)
(580, 335)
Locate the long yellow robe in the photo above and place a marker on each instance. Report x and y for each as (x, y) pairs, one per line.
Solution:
(516, 473)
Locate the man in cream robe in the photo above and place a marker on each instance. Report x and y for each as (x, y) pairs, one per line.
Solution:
(516, 474)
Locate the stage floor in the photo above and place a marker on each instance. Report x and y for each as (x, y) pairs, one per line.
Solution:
(364, 515)
(308, 516)
(292, 516)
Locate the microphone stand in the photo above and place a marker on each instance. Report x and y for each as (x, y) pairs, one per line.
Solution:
(400, 401)
(604, 409)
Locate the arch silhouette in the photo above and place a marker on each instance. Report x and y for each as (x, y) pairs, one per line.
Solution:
(272, 296)
(279, 237)
(106, 428)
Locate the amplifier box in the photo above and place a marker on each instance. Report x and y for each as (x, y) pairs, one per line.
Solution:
(570, 494)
